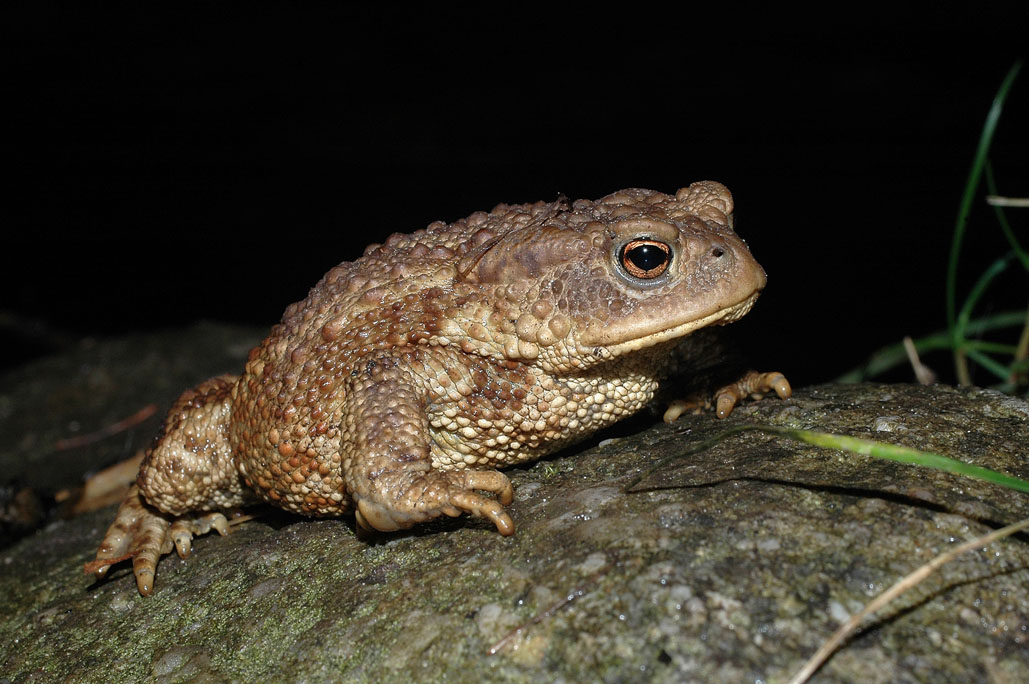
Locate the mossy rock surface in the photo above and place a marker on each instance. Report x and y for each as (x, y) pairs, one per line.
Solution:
(733, 565)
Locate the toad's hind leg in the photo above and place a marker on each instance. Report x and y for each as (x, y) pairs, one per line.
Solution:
(144, 534)
(186, 479)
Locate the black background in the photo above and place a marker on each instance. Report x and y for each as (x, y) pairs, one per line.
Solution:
(214, 160)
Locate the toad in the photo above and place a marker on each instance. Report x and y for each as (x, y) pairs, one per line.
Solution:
(406, 378)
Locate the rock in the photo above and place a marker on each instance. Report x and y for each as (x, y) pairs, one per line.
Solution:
(732, 564)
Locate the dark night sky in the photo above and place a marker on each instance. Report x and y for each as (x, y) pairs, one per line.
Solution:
(213, 162)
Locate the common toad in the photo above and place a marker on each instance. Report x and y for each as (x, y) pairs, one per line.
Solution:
(408, 376)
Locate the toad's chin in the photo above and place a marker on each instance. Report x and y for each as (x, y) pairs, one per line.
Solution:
(722, 316)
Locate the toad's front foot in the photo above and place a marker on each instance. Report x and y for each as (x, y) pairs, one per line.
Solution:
(433, 493)
(752, 384)
(144, 534)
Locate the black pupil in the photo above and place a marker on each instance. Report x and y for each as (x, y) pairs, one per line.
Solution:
(647, 257)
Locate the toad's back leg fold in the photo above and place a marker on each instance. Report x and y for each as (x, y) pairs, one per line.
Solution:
(387, 465)
(188, 469)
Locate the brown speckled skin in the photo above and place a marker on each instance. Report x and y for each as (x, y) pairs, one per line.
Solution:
(406, 377)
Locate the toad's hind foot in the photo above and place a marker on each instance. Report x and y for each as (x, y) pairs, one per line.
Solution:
(437, 493)
(144, 534)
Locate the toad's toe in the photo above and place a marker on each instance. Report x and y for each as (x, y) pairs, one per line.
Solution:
(441, 493)
(751, 384)
(144, 534)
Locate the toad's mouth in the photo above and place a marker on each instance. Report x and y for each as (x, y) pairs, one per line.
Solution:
(722, 316)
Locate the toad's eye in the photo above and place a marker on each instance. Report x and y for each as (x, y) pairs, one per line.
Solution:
(645, 258)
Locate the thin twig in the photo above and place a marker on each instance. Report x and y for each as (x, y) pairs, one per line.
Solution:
(113, 429)
(997, 201)
(576, 593)
(923, 374)
(1022, 353)
(908, 582)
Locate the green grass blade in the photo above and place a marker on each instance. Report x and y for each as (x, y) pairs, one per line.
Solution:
(857, 445)
(998, 369)
(1002, 219)
(894, 355)
(902, 454)
(971, 185)
(994, 270)
(991, 347)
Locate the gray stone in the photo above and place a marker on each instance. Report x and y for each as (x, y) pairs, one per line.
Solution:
(732, 564)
